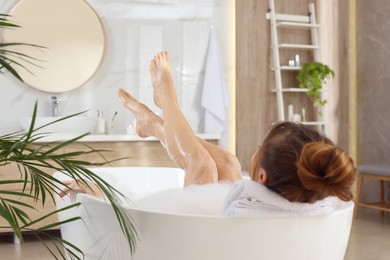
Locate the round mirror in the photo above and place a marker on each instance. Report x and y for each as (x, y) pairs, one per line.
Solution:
(73, 37)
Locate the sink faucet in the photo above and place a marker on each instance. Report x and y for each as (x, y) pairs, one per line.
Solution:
(54, 105)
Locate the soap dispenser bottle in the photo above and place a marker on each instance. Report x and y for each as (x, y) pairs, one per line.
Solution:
(100, 127)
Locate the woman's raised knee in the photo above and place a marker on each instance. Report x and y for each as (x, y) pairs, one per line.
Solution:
(200, 168)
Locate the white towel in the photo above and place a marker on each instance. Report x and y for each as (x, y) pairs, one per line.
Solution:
(215, 99)
(251, 199)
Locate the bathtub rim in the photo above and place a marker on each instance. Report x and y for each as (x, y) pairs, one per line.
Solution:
(81, 197)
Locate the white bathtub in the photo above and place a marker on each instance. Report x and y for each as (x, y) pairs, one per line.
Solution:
(164, 236)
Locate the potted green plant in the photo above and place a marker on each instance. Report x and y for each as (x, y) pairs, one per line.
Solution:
(312, 77)
(36, 162)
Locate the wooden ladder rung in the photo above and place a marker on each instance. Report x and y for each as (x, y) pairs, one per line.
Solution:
(290, 18)
(382, 205)
(298, 46)
(297, 25)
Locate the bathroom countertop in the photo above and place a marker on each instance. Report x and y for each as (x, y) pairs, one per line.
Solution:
(54, 137)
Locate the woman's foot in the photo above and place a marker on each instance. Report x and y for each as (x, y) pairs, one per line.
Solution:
(146, 119)
(162, 81)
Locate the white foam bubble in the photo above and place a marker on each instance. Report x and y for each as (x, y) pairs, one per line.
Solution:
(195, 199)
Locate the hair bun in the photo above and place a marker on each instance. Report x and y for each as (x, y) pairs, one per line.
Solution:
(326, 169)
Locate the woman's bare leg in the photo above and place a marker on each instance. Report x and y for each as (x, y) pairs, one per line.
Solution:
(228, 166)
(181, 143)
(150, 124)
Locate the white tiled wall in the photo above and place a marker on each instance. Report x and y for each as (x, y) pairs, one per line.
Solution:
(135, 30)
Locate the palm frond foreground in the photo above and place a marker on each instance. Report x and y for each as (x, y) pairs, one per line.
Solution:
(36, 162)
(9, 58)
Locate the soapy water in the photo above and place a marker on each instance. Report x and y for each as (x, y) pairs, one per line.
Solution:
(205, 199)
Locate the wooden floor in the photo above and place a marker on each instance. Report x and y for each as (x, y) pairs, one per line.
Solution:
(31, 249)
(370, 236)
(370, 240)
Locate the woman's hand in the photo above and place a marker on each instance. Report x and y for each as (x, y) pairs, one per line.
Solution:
(80, 187)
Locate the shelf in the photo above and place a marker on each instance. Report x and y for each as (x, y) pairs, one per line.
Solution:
(289, 68)
(61, 137)
(312, 123)
(298, 46)
(308, 123)
(297, 25)
(292, 90)
(286, 46)
(294, 68)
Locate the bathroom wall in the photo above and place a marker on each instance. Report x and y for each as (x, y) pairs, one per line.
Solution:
(373, 95)
(373, 65)
(135, 30)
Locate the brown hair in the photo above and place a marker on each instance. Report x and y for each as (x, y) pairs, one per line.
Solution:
(302, 165)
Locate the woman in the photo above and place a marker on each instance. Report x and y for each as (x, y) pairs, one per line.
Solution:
(294, 161)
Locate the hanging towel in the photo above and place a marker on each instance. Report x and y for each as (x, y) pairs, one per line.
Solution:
(252, 199)
(214, 99)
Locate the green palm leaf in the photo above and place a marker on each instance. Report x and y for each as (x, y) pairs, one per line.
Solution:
(10, 58)
(58, 242)
(35, 163)
(5, 23)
